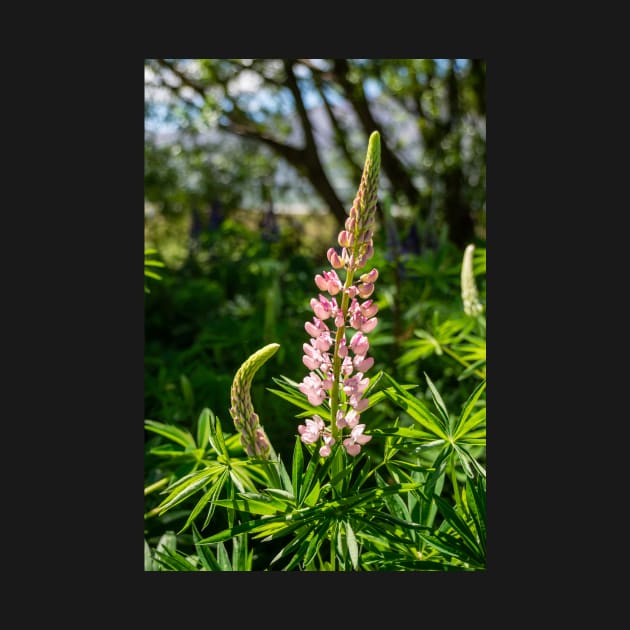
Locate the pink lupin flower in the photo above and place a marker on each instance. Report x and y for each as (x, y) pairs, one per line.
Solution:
(316, 328)
(347, 366)
(359, 343)
(311, 430)
(313, 388)
(353, 443)
(323, 308)
(328, 351)
(324, 451)
(355, 385)
(368, 325)
(362, 363)
(371, 277)
(312, 358)
(368, 309)
(328, 281)
(348, 419)
(342, 350)
(333, 258)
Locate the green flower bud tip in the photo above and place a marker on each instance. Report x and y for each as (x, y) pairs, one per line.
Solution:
(470, 296)
(246, 421)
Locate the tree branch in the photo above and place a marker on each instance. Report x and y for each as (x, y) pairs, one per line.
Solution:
(396, 172)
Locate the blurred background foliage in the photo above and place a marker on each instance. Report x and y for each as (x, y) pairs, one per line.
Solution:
(250, 168)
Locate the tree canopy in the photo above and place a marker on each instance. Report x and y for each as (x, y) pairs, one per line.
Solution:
(235, 129)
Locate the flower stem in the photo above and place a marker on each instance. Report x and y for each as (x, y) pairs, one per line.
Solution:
(334, 392)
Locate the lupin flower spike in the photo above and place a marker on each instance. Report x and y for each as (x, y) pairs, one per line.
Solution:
(470, 296)
(253, 437)
(329, 359)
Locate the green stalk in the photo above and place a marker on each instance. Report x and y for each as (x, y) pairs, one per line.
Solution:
(334, 393)
(156, 486)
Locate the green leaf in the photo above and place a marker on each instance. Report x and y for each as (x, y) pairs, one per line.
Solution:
(254, 504)
(239, 553)
(175, 434)
(353, 548)
(465, 430)
(153, 263)
(183, 491)
(223, 558)
(284, 475)
(457, 523)
(472, 460)
(203, 429)
(167, 541)
(174, 561)
(299, 401)
(216, 436)
(209, 495)
(417, 409)
(315, 543)
(149, 563)
(187, 391)
(438, 400)
(206, 556)
(474, 368)
(409, 432)
(312, 497)
(308, 476)
(298, 466)
(432, 341)
(470, 403)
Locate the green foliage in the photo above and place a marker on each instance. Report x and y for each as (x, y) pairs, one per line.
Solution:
(148, 264)
(413, 499)
(392, 511)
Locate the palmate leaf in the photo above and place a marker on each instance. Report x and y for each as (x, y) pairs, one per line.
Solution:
(468, 420)
(283, 524)
(416, 409)
(208, 496)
